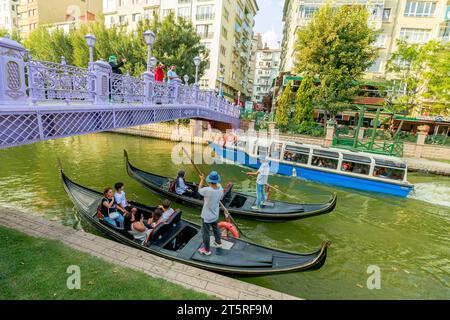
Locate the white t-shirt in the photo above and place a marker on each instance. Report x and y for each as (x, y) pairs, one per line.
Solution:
(120, 198)
(211, 205)
(167, 214)
(263, 175)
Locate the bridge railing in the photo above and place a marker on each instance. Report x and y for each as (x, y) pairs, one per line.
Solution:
(28, 81)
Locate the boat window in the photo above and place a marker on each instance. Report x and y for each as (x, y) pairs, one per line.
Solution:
(356, 164)
(325, 159)
(389, 173)
(296, 154)
(389, 163)
(275, 150)
(355, 158)
(355, 167)
(241, 144)
(262, 151)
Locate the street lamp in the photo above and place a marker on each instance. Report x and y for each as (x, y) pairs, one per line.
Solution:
(239, 98)
(221, 79)
(149, 38)
(186, 79)
(91, 40)
(153, 62)
(197, 61)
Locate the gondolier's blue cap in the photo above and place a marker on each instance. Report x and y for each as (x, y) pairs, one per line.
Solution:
(213, 177)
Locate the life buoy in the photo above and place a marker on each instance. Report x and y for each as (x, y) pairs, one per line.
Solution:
(226, 228)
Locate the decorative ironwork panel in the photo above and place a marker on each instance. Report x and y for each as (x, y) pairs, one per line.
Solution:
(54, 81)
(129, 118)
(60, 124)
(16, 129)
(13, 75)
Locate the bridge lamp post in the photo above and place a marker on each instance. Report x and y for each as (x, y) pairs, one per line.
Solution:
(91, 40)
(197, 61)
(153, 62)
(221, 79)
(149, 38)
(186, 79)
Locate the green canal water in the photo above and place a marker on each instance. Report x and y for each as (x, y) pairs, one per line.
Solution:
(408, 239)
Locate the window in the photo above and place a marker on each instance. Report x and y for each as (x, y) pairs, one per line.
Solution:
(122, 3)
(275, 150)
(224, 33)
(415, 35)
(375, 67)
(356, 164)
(223, 50)
(420, 8)
(204, 31)
(325, 159)
(226, 14)
(123, 19)
(184, 12)
(205, 12)
(136, 17)
(296, 154)
(388, 173)
(166, 12)
(135, 1)
(386, 14)
(380, 42)
(308, 12)
(262, 151)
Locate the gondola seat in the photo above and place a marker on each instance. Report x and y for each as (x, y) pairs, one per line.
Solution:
(163, 228)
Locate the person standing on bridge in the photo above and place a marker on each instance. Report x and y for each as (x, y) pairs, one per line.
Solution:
(172, 75)
(159, 72)
(113, 62)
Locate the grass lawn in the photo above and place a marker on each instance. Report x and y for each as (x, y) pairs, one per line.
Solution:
(34, 268)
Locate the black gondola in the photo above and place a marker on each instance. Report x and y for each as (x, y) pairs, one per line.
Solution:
(236, 202)
(179, 240)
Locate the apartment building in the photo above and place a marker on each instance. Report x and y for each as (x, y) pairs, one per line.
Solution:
(35, 13)
(266, 71)
(225, 26)
(256, 45)
(8, 15)
(415, 21)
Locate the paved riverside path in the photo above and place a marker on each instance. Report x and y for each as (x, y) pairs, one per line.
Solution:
(425, 165)
(190, 277)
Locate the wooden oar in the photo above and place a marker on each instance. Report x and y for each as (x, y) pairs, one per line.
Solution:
(221, 204)
(275, 188)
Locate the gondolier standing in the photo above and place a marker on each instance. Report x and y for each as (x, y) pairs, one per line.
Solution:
(261, 182)
(212, 196)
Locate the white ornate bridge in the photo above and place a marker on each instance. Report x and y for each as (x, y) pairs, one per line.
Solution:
(42, 100)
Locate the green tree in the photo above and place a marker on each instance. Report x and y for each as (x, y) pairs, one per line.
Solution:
(304, 110)
(284, 107)
(335, 48)
(50, 46)
(421, 72)
(15, 35)
(177, 43)
(437, 79)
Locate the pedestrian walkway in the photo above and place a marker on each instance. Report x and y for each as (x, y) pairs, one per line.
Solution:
(190, 277)
(425, 165)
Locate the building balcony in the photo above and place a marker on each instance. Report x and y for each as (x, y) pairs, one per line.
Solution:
(205, 16)
(206, 35)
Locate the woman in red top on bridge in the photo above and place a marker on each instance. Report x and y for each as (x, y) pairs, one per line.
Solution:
(159, 72)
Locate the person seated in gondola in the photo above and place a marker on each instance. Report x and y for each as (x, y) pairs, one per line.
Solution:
(138, 229)
(109, 210)
(167, 210)
(155, 219)
(121, 200)
(181, 188)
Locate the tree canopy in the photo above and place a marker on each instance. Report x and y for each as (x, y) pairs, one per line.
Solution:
(422, 73)
(335, 48)
(176, 43)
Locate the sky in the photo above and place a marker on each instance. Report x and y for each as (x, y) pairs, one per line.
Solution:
(269, 21)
